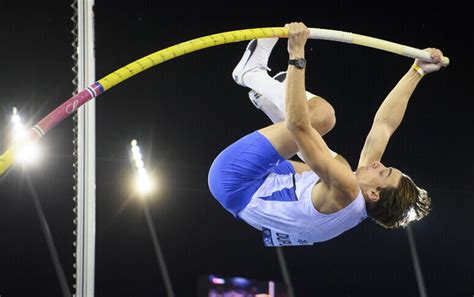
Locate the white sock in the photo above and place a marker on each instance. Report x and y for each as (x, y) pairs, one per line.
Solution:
(273, 90)
(265, 105)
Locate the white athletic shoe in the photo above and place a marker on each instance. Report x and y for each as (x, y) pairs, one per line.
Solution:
(255, 58)
(257, 99)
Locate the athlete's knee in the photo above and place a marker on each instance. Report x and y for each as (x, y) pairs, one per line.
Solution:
(323, 115)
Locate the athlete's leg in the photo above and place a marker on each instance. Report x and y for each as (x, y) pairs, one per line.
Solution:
(242, 167)
(268, 93)
(283, 141)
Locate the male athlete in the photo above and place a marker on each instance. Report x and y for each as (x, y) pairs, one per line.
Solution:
(301, 203)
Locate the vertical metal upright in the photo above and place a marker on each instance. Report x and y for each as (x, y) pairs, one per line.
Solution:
(416, 263)
(85, 152)
(285, 272)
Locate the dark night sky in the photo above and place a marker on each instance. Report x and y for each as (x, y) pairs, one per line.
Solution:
(183, 112)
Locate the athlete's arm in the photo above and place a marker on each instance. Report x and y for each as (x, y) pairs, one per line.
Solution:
(338, 178)
(391, 111)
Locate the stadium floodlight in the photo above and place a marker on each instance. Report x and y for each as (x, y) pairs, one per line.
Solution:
(144, 184)
(28, 152)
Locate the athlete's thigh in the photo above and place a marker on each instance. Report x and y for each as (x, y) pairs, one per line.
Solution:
(281, 139)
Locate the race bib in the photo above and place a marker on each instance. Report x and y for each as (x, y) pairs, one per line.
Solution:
(273, 238)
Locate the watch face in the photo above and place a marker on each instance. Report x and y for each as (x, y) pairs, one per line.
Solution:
(300, 63)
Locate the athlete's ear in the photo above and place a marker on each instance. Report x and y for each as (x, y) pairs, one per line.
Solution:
(373, 195)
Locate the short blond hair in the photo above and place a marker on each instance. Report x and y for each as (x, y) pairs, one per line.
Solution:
(397, 207)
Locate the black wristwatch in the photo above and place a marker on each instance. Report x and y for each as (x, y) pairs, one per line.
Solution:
(298, 63)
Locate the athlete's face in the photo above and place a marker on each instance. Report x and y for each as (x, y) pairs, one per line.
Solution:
(376, 175)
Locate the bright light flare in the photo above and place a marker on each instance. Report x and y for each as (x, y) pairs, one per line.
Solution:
(29, 154)
(135, 150)
(16, 118)
(19, 132)
(139, 164)
(144, 184)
